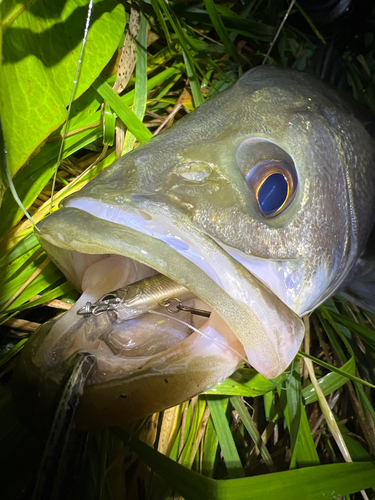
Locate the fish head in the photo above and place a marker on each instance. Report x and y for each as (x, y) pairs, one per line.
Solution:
(249, 203)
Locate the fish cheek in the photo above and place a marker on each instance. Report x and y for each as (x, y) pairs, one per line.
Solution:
(215, 193)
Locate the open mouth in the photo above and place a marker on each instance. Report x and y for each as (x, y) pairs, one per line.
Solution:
(164, 309)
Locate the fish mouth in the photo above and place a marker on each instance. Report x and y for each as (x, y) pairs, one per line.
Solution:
(102, 248)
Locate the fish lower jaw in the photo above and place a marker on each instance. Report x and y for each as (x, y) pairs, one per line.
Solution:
(144, 364)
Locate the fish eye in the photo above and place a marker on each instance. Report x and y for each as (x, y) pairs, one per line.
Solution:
(274, 184)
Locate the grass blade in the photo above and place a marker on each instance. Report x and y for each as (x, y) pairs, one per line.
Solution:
(228, 448)
(335, 369)
(132, 122)
(293, 397)
(186, 52)
(140, 96)
(246, 382)
(210, 450)
(329, 383)
(304, 453)
(243, 413)
(4, 360)
(366, 334)
(330, 419)
(220, 29)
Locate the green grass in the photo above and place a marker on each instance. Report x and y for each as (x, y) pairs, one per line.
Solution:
(248, 437)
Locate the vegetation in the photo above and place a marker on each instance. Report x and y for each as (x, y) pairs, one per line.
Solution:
(310, 434)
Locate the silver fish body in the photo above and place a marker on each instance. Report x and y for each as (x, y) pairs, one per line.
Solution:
(198, 204)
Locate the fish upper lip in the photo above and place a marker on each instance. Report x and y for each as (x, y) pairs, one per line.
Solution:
(270, 332)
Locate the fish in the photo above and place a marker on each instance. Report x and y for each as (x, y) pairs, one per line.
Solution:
(253, 209)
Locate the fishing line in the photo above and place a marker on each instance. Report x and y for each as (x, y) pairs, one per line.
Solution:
(4, 165)
(278, 32)
(17, 198)
(224, 346)
(74, 88)
(218, 343)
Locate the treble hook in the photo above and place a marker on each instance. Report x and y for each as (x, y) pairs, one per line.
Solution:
(181, 307)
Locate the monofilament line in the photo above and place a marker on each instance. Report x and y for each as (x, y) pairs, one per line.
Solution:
(4, 167)
(278, 32)
(74, 88)
(217, 342)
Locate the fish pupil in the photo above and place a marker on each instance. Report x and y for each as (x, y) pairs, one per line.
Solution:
(272, 193)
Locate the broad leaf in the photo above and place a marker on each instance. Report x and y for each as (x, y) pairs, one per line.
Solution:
(41, 48)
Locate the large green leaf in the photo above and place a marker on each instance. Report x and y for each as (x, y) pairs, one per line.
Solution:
(310, 483)
(41, 48)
